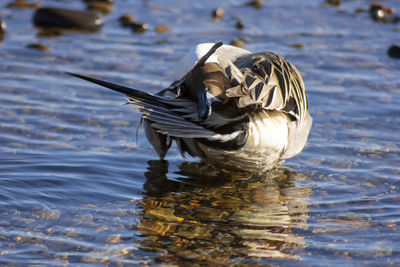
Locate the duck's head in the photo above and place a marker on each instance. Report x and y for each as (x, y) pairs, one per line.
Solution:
(206, 85)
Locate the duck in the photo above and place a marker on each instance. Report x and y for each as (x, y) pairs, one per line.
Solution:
(238, 110)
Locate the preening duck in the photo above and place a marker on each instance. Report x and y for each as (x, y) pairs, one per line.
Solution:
(236, 109)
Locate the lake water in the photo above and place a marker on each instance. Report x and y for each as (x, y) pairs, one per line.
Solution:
(78, 186)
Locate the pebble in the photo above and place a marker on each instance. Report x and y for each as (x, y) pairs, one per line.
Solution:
(217, 14)
(3, 29)
(257, 4)
(23, 4)
(382, 13)
(100, 6)
(126, 20)
(162, 29)
(239, 42)
(49, 32)
(67, 19)
(38, 46)
(333, 2)
(394, 51)
(239, 24)
(297, 45)
(139, 27)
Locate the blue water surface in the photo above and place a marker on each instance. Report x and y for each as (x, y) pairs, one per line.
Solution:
(78, 185)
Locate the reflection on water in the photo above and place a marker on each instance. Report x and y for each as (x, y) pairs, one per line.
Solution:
(206, 216)
(212, 216)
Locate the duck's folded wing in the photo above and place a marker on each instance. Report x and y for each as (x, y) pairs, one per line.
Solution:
(175, 117)
(267, 80)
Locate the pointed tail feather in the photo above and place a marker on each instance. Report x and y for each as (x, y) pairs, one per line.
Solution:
(134, 93)
(175, 117)
(157, 109)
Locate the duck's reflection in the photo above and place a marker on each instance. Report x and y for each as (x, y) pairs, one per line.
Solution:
(214, 216)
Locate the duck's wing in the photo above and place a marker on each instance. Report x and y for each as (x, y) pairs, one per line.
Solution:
(267, 80)
(176, 117)
(171, 114)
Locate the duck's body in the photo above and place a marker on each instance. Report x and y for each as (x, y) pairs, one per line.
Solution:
(238, 110)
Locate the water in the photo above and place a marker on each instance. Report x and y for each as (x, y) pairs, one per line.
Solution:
(76, 186)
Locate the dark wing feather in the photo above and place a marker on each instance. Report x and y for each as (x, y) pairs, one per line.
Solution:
(160, 110)
(175, 117)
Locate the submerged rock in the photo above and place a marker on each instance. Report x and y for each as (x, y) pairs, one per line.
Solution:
(49, 32)
(161, 28)
(23, 4)
(382, 13)
(38, 46)
(333, 2)
(257, 4)
(239, 24)
(297, 45)
(239, 42)
(100, 6)
(394, 51)
(3, 29)
(126, 20)
(67, 19)
(217, 14)
(139, 27)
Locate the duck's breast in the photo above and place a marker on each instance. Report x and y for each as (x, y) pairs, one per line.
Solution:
(267, 139)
